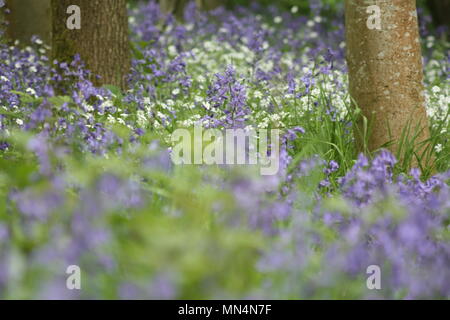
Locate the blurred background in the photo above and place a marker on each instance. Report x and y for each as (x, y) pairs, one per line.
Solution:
(438, 9)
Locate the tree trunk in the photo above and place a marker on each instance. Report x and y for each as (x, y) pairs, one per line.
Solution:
(2, 21)
(102, 41)
(440, 10)
(28, 18)
(207, 5)
(386, 76)
(175, 7)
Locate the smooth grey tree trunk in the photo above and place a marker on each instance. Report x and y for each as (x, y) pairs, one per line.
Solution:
(386, 76)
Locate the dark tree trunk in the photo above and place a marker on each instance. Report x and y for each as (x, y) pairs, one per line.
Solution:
(2, 22)
(175, 7)
(207, 5)
(440, 10)
(102, 41)
(28, 18)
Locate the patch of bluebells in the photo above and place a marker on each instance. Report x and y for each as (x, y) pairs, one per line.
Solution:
(227, 101)
(398, 223)
(62, 230)
(315, 242)
(332, 167)
(28, 86)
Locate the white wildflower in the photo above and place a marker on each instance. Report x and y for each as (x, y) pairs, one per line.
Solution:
(141, 118)
(172, 51)
(436, 89)
(147, 101)
(111, 119)
(31, 91)
(257, 94)
(87, 107)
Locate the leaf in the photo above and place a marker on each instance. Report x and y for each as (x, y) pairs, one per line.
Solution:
(26, 98)
(58, 101)
(114, 90)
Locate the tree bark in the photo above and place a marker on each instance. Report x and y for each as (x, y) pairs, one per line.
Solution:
(386, 76)
(28, 18)
(102, 42)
